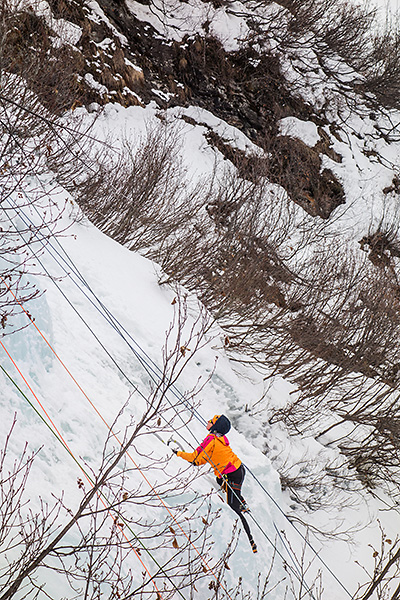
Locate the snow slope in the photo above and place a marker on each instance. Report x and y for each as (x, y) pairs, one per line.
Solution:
(127, 284)
(68, 315)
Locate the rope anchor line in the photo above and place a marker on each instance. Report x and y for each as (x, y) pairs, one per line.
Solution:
(152, 369)
(54, 430)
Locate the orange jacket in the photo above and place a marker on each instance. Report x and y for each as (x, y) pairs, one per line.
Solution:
(217, 452)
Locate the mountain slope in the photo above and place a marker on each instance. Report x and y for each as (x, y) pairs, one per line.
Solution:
(230, 116)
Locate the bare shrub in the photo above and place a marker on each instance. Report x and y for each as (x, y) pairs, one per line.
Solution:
(338, 28)
(37, 80)
(28, 50)
(382, 75)
(345, 29)
(372, 450)
(386, 572)
(245, 247)
(139, 196)
(349, 320)
(89, 548)
(314, 488)
(346, 32)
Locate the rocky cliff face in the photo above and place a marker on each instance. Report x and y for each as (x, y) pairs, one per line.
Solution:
(122, 58)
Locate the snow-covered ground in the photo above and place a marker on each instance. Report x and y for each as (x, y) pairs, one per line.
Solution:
(82, 371)
(384, 6)
(77, 384)
(80, 385)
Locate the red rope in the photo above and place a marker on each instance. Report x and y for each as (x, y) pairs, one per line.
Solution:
(71, 453)
(116, 438)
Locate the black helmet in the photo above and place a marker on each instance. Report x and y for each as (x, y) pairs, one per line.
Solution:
(221, 424)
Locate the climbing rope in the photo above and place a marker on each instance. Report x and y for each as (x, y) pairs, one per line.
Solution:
(128, 454)
(153, 370)
(296, 572)
(54, 430)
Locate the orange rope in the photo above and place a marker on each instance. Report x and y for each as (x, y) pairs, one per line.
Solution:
(77, 462)
(115, 436)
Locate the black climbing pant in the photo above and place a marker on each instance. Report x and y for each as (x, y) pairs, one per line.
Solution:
(232, 484)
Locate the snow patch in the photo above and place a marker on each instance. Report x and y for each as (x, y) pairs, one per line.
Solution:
(306, 131)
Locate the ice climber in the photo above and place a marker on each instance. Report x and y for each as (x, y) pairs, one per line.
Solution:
(228, 468)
